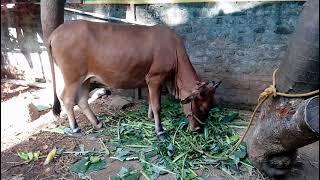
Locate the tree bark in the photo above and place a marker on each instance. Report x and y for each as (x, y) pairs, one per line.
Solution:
(52, 15)
(286, 124)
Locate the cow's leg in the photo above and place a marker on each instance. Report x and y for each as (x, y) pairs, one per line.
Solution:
(150, 113)
(154, 93)
(68, 98)
(83, 95)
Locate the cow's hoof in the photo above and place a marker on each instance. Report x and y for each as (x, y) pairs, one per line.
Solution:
(72, 132)
(162, 136)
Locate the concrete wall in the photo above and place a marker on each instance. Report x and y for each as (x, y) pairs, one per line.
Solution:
(238, 43)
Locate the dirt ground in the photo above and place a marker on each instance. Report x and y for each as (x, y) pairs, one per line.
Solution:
(9, 90)
(14, 140)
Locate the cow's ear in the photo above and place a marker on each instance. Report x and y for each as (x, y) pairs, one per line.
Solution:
(188, 99)
(216, 85)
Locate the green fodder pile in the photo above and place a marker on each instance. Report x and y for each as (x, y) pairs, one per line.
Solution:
(185, 154)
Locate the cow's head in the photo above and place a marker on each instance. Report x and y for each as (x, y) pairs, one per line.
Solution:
(197, 105)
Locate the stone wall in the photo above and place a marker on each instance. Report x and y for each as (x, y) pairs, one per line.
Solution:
(241, 48)
(238, 43)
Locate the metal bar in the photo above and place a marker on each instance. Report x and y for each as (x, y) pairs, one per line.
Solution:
(103, 17)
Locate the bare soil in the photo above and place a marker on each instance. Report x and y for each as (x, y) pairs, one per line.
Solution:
(11, 167)
(9, 90)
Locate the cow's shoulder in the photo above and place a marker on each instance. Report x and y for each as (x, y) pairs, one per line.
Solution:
(163, 28)
(166, 31)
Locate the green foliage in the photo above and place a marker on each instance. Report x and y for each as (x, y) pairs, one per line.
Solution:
(133, 135)
(29, 156)
(127, 174)
(88, 164)
(122, 154)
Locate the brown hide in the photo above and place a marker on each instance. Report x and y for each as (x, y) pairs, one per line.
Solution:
(120, 56)
(125, 57)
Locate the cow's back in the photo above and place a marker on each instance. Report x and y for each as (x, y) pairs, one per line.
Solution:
(119, 55)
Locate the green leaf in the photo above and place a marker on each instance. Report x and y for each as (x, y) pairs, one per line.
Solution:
(136, 129)
(248, 165)
(30, 156)
(240, 153)
(36, 155)
(215, 147)
(127, 174)
(97, 166)
(122, 154)
(247, 162)
(151, 154)
(84, 165)
(107, 152)
(80, 166)
(123, 171)
(170, 150)
(23, 155)
(94, 159)
(206, 133)
(230, 117)
(235, 159)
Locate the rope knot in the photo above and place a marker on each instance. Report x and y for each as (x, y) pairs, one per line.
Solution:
(269, 91)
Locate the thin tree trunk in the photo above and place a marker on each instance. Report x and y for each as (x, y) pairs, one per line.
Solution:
(286, 124)
(52, 15)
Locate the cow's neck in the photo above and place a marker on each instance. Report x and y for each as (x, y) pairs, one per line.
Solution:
(186, 79)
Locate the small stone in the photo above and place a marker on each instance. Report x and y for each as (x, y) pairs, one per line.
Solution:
(98, 93)
(119, 102)
(33, 112)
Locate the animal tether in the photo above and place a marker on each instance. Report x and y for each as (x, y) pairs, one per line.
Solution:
(270, 91)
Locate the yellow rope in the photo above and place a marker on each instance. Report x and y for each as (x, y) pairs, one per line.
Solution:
(269, 91)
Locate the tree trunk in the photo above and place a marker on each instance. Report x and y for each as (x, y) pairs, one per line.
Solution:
(286, 124)
(52, 15)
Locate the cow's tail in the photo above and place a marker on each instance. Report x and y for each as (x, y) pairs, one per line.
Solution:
(56, 109)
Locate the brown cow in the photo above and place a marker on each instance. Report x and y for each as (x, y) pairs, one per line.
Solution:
(125, 57)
